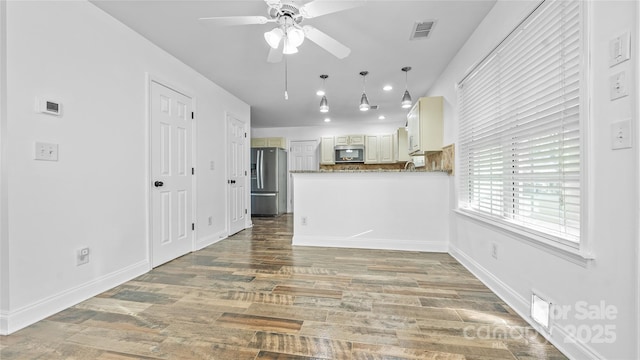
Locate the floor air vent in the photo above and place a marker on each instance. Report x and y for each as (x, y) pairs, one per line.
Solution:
(422, 29)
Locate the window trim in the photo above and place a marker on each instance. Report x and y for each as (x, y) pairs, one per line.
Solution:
(579, 252)
(576, 254)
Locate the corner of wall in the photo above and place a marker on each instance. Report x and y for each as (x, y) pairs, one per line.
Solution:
(559, 337)
(4, 233)
(20, 318)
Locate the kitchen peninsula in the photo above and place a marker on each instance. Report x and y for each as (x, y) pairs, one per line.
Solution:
(378, 209)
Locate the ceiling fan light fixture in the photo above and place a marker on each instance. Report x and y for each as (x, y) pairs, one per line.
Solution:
(288, 48)
(295, 36)
(273, 37)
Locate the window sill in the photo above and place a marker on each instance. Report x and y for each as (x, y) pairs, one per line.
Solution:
(573, 254)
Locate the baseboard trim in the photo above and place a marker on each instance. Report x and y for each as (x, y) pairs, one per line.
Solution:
(380, 244)
(13, 321)
(573, 349)
(210, 240)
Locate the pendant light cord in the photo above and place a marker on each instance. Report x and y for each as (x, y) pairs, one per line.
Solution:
(406, 80)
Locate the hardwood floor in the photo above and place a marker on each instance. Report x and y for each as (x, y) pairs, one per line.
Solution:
(254, 296)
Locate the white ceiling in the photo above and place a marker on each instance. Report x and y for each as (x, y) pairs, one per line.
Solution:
(377, 34)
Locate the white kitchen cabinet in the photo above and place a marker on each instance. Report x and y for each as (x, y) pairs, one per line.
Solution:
(379, 149)
(402, 154)
(424, 126)
(371, 149)
(386, 145)
(327, 153)
(278, 142)
(349, 140)
(258, 142)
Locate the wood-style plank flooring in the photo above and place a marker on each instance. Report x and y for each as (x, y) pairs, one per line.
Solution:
(254, 296)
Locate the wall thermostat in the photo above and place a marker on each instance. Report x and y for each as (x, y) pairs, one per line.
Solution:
(48, 106)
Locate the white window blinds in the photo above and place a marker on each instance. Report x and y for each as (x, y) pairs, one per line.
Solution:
(520, 114)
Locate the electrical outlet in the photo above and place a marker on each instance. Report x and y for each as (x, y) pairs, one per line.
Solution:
(618, 85)
(82, 256)
(494, 250)
(621, 135)
(303, 221)
(210, 220)
(212, 165)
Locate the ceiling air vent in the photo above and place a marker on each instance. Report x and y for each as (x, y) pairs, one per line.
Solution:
(422, 29)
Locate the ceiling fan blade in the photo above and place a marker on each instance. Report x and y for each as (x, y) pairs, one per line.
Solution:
(326, 42)
(234, 20)
(323, 7)
(273, 3)
(275, 55)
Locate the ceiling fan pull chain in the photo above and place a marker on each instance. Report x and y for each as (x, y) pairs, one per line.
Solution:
(286, 94)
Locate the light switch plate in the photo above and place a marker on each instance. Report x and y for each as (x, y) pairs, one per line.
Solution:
(45, 151)
(619, 49)
(618, 85)
(621, 135)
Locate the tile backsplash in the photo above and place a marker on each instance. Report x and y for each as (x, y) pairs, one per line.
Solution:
(335, 167)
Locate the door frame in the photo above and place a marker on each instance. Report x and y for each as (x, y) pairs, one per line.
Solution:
(247, 157)
(637, 159)
(149, 79)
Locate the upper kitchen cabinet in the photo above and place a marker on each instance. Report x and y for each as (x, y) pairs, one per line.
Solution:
(379, 149)
(402, 145)
(327, 152)
(424, 126)
(349, 140)
(277, 142)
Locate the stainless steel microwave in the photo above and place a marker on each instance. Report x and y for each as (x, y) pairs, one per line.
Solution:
(349, 154)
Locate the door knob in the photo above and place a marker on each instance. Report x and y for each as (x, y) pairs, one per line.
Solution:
(233, 181)
(158, 183)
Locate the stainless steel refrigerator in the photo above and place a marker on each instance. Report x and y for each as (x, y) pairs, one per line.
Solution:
(268, 181)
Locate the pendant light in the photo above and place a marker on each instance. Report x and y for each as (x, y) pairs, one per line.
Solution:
(324, 104)
(364, 102)
(406, 98)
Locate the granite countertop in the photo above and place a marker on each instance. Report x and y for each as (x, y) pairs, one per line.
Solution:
(367, 171)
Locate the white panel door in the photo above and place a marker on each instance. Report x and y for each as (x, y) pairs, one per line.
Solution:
(237, 172)
(303, 155)
(171, 154)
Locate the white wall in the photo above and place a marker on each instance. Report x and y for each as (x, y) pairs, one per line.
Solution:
(612, 196)
(372, 210)
(96, 194)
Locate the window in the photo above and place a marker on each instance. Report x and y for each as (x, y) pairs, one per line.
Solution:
(520, 126)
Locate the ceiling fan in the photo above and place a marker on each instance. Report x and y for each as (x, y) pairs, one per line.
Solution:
(289, 33)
